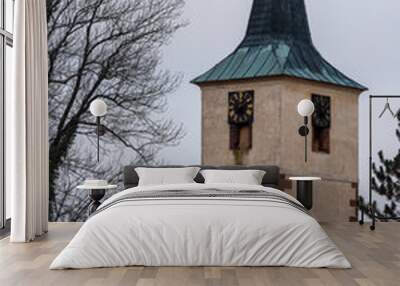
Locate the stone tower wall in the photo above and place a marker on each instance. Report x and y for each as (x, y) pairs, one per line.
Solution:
(276, 140)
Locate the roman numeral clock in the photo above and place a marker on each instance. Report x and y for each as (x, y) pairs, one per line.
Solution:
(240, 119)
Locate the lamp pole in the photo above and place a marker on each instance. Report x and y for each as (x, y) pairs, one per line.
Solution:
(305, 138)
(98, 138)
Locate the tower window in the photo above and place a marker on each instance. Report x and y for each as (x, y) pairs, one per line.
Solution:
(321, 124)
(240, 138)
(234, 137)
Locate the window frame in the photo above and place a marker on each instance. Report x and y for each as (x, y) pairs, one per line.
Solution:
(6, 39)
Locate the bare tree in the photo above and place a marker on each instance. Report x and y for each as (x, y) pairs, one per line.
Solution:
(108, 49)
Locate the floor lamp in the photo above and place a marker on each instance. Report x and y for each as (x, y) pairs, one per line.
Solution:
(305, 108)
(98, 108)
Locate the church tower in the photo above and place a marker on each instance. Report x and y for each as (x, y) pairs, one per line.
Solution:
(249, 104)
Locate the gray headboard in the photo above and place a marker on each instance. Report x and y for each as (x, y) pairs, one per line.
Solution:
(271, 178)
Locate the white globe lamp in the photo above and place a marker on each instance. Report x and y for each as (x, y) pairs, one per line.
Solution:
(98, 108)
(305, 108)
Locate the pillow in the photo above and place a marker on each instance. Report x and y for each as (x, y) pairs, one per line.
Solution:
(246, 177)
(166, 176)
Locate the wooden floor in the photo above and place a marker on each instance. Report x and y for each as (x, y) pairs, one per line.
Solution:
(375, 257)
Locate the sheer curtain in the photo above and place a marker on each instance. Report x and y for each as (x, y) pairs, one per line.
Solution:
(27, 123)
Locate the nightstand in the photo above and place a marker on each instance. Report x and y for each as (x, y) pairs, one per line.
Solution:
(305, 190)
(96, 193)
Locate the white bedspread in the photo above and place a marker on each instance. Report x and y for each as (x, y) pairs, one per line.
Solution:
(200, 232)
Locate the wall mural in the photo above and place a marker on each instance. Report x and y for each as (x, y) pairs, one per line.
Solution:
(107, 49)
(111, 49)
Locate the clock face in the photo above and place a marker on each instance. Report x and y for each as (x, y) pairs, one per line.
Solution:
(322, 115)
(241, 108)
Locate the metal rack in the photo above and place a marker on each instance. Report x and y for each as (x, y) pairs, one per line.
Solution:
(371, 208)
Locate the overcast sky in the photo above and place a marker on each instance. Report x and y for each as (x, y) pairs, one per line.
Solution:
(359, 37)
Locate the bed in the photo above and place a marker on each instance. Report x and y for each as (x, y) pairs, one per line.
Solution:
(197, 224)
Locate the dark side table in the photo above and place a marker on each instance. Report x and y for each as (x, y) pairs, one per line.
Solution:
(96, 193)
(305, 190)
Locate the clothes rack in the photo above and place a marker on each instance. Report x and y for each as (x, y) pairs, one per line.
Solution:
(371, 211)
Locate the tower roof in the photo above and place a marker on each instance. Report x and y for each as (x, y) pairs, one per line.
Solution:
(277, 43)
(285, 20)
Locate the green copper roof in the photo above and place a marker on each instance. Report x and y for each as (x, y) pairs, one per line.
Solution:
(277, 43)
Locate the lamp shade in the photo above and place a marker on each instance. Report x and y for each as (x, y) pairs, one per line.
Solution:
(98, 108)
(305, 107)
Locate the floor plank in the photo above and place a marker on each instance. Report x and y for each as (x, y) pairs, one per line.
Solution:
(375, 257)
